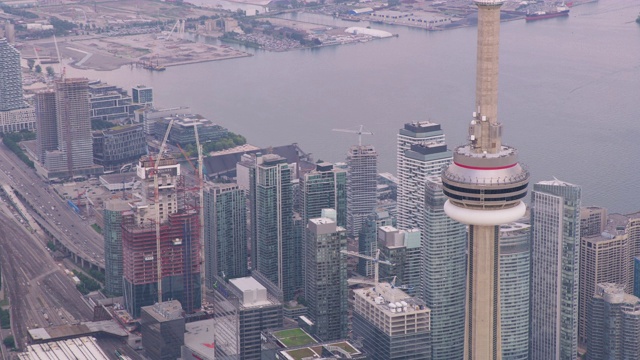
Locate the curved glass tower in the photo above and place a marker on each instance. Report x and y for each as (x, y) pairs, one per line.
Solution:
(485, 185)
(515, 258)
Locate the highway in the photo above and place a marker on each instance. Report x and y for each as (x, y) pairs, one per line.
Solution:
(39, 291)
(67, 227)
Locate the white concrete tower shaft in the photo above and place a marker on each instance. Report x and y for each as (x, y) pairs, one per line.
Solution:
(487, 64)
(485, 185)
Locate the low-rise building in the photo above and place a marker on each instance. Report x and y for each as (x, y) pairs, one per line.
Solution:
(119, 146)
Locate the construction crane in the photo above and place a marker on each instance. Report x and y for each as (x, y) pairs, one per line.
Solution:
(156, 163)
(376, 262)
(359, 132)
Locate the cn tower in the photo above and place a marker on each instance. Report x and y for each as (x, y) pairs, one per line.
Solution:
(484, 186)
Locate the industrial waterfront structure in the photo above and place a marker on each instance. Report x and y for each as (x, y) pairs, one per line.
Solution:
(421, 152)
(325, 283)
(555, 252)
(444, 273)
(613, 324)
(362, 162)
(225, 232)
(391, 324)
(515, 267)
(485, 185)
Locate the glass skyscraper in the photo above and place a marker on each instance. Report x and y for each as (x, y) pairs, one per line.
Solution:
(225, 232)
(272, 223)
(555, 251)
(362, 162)
(444, 274)
(422, 152)
(326, 290)
(112, 232)
(514, 290)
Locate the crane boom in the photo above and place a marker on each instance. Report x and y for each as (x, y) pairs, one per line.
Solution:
(156, 196)
(376, 261)
(359, 132)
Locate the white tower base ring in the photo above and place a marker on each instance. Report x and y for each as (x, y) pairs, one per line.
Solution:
(484, 217)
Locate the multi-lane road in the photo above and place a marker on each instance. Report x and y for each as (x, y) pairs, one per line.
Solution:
(39, 291)
(74, 233)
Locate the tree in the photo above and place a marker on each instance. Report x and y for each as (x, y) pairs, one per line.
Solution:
(38, 69)
(50, 71)
(30, 64)
(9, 342)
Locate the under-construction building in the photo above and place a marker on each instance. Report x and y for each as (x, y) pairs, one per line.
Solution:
(177, 276)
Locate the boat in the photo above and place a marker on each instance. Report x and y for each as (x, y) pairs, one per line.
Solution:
(349, 18)
(561, 10)
(153, 67)
(638, 19)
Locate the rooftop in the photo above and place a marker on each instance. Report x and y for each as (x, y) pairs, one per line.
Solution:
(389, 299)
(199, 337)
(72, 349)
(294, 337)
(165, 311)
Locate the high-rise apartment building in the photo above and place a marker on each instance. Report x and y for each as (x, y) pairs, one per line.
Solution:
(271, 199)
(613, 324)
(422, 152)
(604, 258)
(112, 231)
(74, 153)
(15, 114)
(636, 276)
(402, 249)
(11, 96)
(555, 259)
(244, 309)
(391, 324)
(324, 188)
(485, 185)
(444, 273)
(225, 232)
(162, 328)
(593, 220)
(362, 162)
(47, 123)
(326, 290)
(515, 267)
(74, 123)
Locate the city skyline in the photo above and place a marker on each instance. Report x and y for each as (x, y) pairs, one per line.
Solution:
(533, 314)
